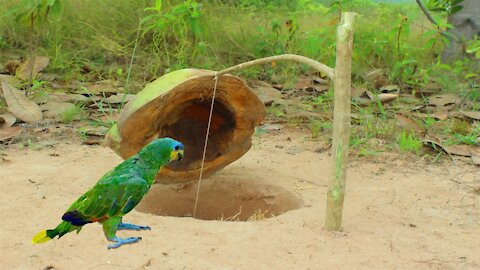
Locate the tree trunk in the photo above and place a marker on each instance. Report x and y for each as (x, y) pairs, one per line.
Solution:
(466, 24)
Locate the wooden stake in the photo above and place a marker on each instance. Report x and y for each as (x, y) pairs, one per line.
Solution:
(341, 122)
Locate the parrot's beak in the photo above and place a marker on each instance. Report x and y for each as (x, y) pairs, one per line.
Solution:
(176, 155)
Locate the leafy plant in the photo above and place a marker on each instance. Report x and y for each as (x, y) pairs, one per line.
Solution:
(448, 6)
(428, 122)
(35, 14)
(473, 47)
(175, 28)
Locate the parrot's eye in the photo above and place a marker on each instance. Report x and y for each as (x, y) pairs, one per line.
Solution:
(176, 147)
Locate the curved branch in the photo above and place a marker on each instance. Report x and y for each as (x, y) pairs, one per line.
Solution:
(292, 57)
(425, 11)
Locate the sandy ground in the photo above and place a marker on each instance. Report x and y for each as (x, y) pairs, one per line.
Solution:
(400, 213)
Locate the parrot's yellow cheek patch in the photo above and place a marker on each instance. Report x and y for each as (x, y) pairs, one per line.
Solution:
(176, 155)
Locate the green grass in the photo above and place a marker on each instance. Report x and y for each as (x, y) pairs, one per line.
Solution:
(464, 133)
(74, 113)
(100, 36)
(317, 126)
(408, 142)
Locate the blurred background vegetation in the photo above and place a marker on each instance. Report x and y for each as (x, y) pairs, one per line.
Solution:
(132, 43)
(94, 40)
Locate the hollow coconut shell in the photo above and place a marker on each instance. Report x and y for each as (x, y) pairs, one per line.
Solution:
(177, 105)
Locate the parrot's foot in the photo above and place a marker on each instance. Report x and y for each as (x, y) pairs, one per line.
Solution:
(122, 241)
(127, 226)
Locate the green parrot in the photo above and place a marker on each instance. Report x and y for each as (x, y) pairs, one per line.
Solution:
(117, 193)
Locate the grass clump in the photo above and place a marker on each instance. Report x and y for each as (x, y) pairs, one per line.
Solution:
(317, 126)
(71, 114)
(408, 142)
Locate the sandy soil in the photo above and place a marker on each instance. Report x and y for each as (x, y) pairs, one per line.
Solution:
(400, 213)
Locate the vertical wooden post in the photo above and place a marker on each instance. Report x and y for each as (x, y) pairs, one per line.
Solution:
(341, 122)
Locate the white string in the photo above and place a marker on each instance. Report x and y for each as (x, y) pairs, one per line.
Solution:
(206, 143)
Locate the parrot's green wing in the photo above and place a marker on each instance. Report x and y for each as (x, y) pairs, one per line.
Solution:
(113, 196)
(117, 193)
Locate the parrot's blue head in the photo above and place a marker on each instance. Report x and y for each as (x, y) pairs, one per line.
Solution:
(177, 152)
(164, 150)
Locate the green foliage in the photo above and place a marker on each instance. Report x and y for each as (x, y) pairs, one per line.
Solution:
(31, 12)
(474, 47)
(274, 4)
(184, 19)
(464, 133)
(317, 126)
(72, 114)
(276, 111)
(448, 6)
(95, 40)
(428, 122)
(408, 142)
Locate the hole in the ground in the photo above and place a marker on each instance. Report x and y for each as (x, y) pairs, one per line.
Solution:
(227, 199)
(192, 119)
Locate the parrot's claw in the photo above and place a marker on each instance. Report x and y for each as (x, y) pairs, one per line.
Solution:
(132, 227)
(123, 241)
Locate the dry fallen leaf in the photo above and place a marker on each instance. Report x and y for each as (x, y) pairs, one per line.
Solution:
(391, 88)
(441, 115)
(62, 97)
(363, 96)
(303, 82)
(9, 79)
(23, 108)
(265, 92)
(95, 131)
(105, 87)
(119, 98)
(408, 123)
(377, 78)
(465, 150)
(319, 80)
(111, 116)
(456, 149)
(55, 109)
(434, 143)
(303, 115)
(271, 127)
(7, 120)
(385, 98)
(10, 132)
(357, 91)
(39, 63)
(422, 115)
(472, 114)
(441, 101)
